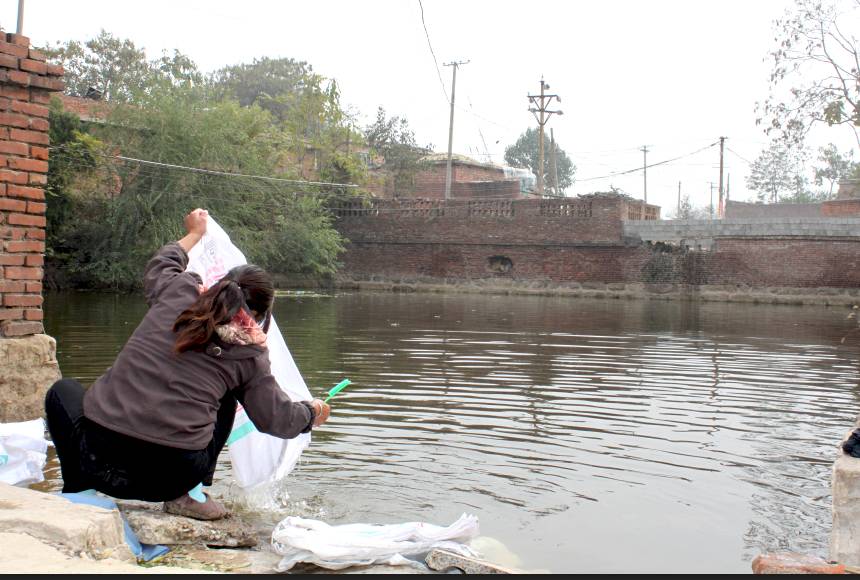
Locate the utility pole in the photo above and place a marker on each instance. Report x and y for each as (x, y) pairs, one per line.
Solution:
(679, 201)
(644, 151)
(20, 17)
(542, 119)
(712, 199)
(722, 148)
(553, 163)
(454, 64)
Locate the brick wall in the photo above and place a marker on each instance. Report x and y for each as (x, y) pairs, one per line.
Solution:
(740, 209)
(467, 172)
(694, 231)
(841, 208)
(509, 189)
(26, 84)
(752, 263)
(86, 109)
(577, 240)
(796, 262)
(835, 208)
(430, 183)
(467, 180)
(848, 189)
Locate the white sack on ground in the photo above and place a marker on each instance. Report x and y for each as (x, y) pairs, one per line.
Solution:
(257, 458)
(23, 452)
(337, 547)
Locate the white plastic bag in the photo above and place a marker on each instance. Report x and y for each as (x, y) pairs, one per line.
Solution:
(257, 458)
(23, 452)
(336, 547)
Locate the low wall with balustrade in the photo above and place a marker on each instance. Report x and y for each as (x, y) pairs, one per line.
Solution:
(591, 240)
(528, 221)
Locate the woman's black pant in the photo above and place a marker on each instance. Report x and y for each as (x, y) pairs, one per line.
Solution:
(93, 457)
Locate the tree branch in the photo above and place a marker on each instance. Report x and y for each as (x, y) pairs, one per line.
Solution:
(845, 90)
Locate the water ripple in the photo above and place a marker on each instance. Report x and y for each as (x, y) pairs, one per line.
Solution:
(590, 424)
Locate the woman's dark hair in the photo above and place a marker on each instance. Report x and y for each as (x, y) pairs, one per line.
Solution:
(245, 286)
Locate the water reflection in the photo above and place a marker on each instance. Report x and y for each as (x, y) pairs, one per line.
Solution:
(588, 436)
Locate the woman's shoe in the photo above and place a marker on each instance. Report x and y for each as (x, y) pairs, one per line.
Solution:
(191, 508)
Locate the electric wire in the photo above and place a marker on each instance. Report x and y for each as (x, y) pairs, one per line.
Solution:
(149, 168)
(739, 156)
(238, 194)
(438, 72)
(664, 162)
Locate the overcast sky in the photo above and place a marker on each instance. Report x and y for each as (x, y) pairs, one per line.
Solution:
(672, 75)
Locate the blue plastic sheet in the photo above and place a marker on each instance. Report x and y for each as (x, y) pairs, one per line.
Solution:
(144, 552)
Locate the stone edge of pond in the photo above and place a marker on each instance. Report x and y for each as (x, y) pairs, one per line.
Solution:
(774, 295)
(44, 533)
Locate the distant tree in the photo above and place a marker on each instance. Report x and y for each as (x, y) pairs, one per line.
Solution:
(834, 166)
(815, 77)
(118, 69)
(272, 83)
(306, 105)
(525, 153)
(778, 174)
(687, 212)
(393, 140)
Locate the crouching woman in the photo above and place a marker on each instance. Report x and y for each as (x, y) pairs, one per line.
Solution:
(152, 426)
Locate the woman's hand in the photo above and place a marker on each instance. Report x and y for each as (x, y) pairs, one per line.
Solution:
(195, 225)
(321, 412)
(195, 222)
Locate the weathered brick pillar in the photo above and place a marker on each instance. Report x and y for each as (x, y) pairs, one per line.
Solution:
(28, 364)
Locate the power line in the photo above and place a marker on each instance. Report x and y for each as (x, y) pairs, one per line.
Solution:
(739, 156)
(427, 34)
(648, 166)
(226, 173)
(222, 173)
(484, 141)
(239, 193)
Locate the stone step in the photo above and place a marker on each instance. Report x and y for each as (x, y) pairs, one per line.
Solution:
(790, 563)
(74, 529)
(154, 526)
(444, 561)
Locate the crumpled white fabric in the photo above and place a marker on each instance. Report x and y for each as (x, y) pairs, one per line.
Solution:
(257, 458)
(23, 452)
(336, 547)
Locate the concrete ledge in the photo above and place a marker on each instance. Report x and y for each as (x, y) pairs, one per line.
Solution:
(73, 529)
(845, 532)
(789, 563)
(443, 561)
(23, 554)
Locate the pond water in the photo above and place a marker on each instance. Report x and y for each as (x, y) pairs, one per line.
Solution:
(586, 435)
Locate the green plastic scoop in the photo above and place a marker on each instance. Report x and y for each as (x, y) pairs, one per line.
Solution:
(337, 388)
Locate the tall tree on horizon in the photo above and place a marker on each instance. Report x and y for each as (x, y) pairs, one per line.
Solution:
(815, 79)
(119, 70)
(525, 153)
(779, 174)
